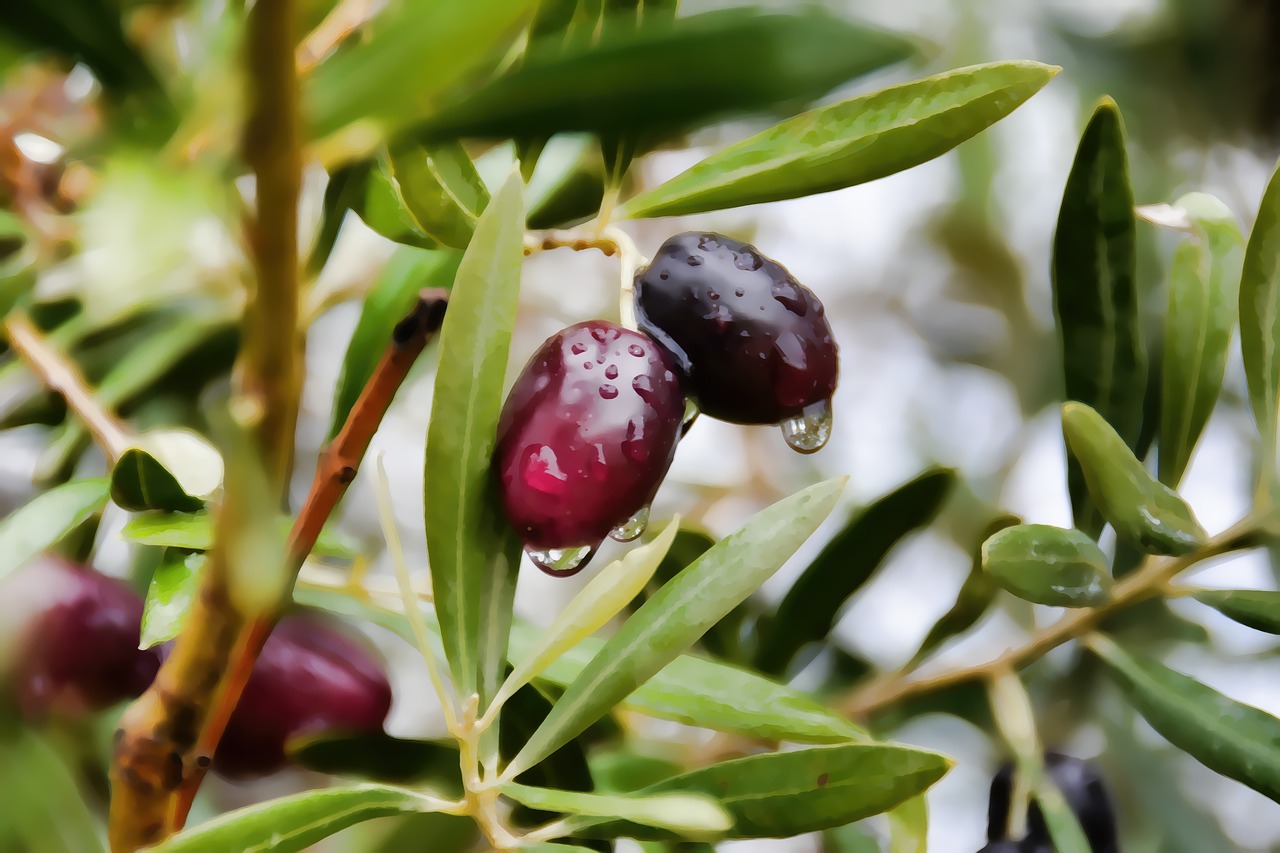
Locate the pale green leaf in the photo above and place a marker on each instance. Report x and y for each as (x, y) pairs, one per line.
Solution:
(439, 189)
(473, 552)
(1260, 316)
(45, 519)
(690, 814)
(679, 613)
(173, 589)
(600, 600)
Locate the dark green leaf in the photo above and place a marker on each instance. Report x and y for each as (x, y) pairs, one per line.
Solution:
(393, 294)
(1142, 510)
(439, 189)
(1260, 316)
(618, 772)
(1048, 565)
(297, 821)
(193, 531)
(414, 56)
(849, 143)
(1257, 608)
(379, 757)
(474, 553)
(382, 210)
(680, 613)
(47, 518)
(808, 611)
(174, 470)
(1095, 293)
(670, 74)
(448, 834)
(567, 184)
(1229, 737)
(788, 793)
(345, 191)
(173, 588)
(1198, 326)
(566, 768)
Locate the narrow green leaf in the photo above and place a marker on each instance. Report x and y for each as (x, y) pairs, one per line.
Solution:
(849, 143)
(46, 518)
(473, 552)
(679, 613)
(599, 601)
(809, 609)
(382, 210)
(788, 793)
(173, 588)
(415, 55)
(1229, 737)
(683, 813)
(297, 821)
(345, 191)
(1260, 317)
(565, 769)
(1257, 608)
(1048, 565)
(166, 469)
(379, 757)
(1095, 295)
(710, 694)
(392, 295)
(671, 74)
(1202, 313)
(1143, 511)
(193, 531)
(691, 690)
(440, 190)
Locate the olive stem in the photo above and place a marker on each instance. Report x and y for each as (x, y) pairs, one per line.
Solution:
(1156, 571)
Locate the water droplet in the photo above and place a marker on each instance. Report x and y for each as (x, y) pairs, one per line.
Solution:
(711, 294)
(636, 350)
(608, 391)
(739, 292)
(632, 527)
(790, 297)
(706, 241)
(808, 431)
(747, 260)
(599, 334)
(578, 348)
(664, 275)
(561, 562)
(586, 365)
(600, 359)
(694, 260)
(611, 372)
(541, 470)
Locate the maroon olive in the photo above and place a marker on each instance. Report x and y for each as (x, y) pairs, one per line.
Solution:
(309, 678)
(75, 636)
(585, 438)
(753, 344)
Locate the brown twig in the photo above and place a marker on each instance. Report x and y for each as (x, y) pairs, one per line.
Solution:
(335, 470)
(169, 736)
(156, 743)
(1143, 584)
(60, 374)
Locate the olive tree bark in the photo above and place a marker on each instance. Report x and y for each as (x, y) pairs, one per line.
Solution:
(156, 743)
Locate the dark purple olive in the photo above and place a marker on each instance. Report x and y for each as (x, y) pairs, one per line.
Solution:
(585, 438)
(74, 637)
(1085, 792)
(752, 343)
(309, 678)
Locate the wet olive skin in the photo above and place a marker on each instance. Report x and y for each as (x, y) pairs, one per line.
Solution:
(753, 344)
(586, 435)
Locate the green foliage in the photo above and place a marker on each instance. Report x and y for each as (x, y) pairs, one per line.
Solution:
(1260, 319)
(1048, 565)
(1096, 301)
(46, 519)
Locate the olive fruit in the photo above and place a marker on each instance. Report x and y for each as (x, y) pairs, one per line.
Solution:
(752, 343)
(309, 678)
(586, 435)
(71, 637)
(1085, 792)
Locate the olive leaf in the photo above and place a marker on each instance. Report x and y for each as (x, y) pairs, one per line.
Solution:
(1048, 565)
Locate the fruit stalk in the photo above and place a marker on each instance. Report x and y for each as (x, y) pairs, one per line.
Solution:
(156, 745)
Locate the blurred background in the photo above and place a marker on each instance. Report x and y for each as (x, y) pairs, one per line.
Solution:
(936, 281)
